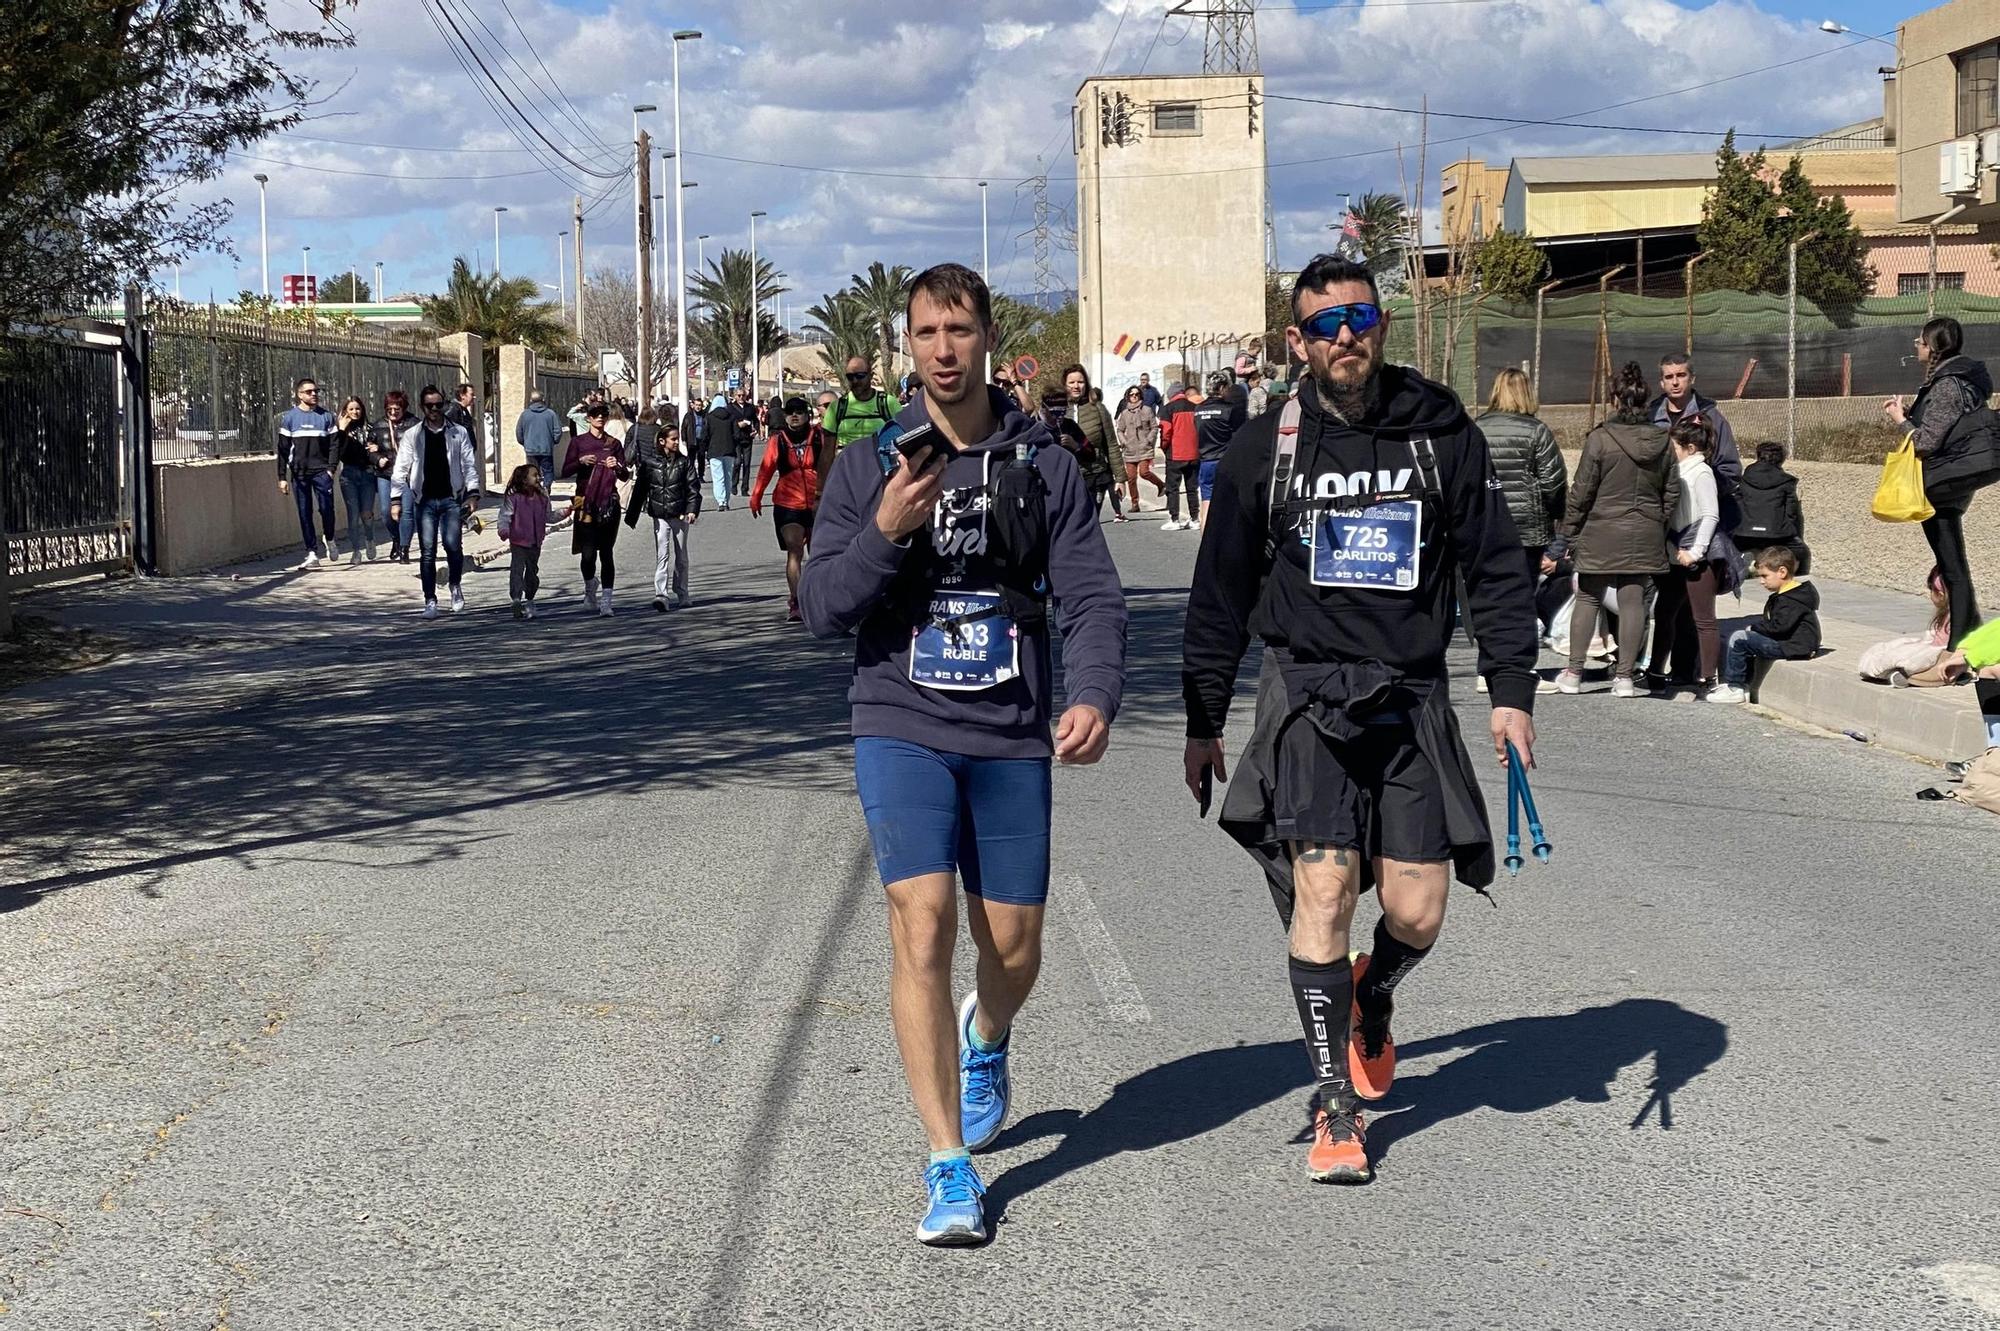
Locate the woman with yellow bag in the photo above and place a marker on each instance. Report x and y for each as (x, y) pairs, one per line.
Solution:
(1957, 438)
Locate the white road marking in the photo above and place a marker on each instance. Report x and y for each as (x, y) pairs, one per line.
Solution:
(1122, 998)
(1975, 1282)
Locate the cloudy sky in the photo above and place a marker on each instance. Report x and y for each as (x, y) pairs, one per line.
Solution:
(860, 125)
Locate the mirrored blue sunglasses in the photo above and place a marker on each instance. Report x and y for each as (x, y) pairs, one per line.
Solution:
(1325, 324)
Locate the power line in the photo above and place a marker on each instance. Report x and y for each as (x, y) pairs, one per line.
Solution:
(439, 7)
(538, 96)
(1522, 121)
(390, 175)
(575, 114)
(493, 104)
(1226, 101)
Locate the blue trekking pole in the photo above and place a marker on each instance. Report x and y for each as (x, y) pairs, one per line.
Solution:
(1514, 860)
(1519, 791)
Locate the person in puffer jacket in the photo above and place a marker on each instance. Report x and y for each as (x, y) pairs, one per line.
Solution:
(668, 489)
(1527, 463)
(1767, 506)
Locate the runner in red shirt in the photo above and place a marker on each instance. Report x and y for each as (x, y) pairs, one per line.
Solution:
(798, 454)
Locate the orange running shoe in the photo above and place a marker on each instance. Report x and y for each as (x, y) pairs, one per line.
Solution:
(1371, 1053)
(1340, 1146)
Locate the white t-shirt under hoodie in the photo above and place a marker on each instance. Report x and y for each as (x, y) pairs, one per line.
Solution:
(1697, 512)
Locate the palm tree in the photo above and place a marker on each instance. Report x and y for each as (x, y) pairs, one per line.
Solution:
(847, 327)
(1382, 229)
(724, 330)
(1017, 322)
(885, 295)
(502, 311)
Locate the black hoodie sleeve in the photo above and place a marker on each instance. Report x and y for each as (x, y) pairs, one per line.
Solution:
(1488, 548)
(1228, 577)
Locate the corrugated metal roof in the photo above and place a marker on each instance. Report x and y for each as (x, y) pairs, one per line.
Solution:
(1635, 168)
(1860, 136)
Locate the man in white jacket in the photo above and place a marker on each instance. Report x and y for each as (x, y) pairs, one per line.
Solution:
(437, 470)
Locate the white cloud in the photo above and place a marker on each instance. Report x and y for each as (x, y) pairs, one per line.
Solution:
(980, 87)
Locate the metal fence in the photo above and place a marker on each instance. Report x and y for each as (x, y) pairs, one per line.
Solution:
(563, 386)
(219, 382)
(66, 399)
(1810, 375)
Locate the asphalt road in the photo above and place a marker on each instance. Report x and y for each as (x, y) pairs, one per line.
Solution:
(361, 972)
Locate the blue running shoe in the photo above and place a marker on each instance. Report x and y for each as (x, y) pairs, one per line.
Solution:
(956, 1218)
(983, 1088)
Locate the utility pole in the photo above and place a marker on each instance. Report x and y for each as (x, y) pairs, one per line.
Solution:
(576, 255)
(562, 275)
(642, 271)
(756, 305)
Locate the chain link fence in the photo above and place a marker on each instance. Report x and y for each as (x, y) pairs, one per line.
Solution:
(220, 382)
(1813, 376)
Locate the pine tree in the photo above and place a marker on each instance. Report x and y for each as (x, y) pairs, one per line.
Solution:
(1833, 264)
(1509, 265)
(1739, 230)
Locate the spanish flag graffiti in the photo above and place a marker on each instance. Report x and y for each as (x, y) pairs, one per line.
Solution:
(1125, 347)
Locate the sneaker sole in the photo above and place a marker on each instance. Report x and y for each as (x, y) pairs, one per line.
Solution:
(951, 1238)
(1344, 1176)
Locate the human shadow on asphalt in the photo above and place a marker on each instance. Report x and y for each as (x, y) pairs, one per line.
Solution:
(376, 725)
(1172, 1102)
(1523, 1065)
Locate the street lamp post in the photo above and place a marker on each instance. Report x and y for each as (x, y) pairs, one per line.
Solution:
(264, 232)
(562, 276)
(308, 295)
(985, 259)
(701, 265)
(680, 237)
(756, 306)
(378, 281)
(658, 257)
(499, 209)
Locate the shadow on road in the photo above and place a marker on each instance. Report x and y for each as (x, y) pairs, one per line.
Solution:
(1172, 1102)
(1520, 1066)
(370, 726)
(1527, 1064)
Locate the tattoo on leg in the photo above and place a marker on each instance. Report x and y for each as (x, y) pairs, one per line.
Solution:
(1409, 873)
(1314, 854)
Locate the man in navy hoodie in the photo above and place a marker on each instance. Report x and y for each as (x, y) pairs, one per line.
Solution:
(932, 560)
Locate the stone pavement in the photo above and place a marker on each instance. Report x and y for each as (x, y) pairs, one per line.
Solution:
(356, 971)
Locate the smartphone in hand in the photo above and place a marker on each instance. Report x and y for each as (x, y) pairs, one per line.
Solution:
(908, 442)
(1207, 787)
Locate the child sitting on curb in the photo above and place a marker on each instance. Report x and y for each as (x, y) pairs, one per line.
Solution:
(1789, 630)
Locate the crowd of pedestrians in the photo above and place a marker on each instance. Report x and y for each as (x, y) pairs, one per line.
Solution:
(1351, 527)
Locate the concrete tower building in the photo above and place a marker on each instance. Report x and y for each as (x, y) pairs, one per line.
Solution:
(1170, 224)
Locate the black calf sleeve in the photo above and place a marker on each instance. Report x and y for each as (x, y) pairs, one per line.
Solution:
(1391, 960)
(1324, 991)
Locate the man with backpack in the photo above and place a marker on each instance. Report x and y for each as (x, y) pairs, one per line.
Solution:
(862, 410)
(798, 454)
(950, 551)
(1344, 531)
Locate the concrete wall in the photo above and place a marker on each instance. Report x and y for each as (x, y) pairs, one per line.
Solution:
(222, 510)
(1925, 113)
(1170, 229)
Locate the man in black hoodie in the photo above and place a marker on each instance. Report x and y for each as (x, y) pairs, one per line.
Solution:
(1346, 565)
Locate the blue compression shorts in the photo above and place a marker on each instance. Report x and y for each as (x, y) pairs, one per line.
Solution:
(987, 819)
(1205, 480)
